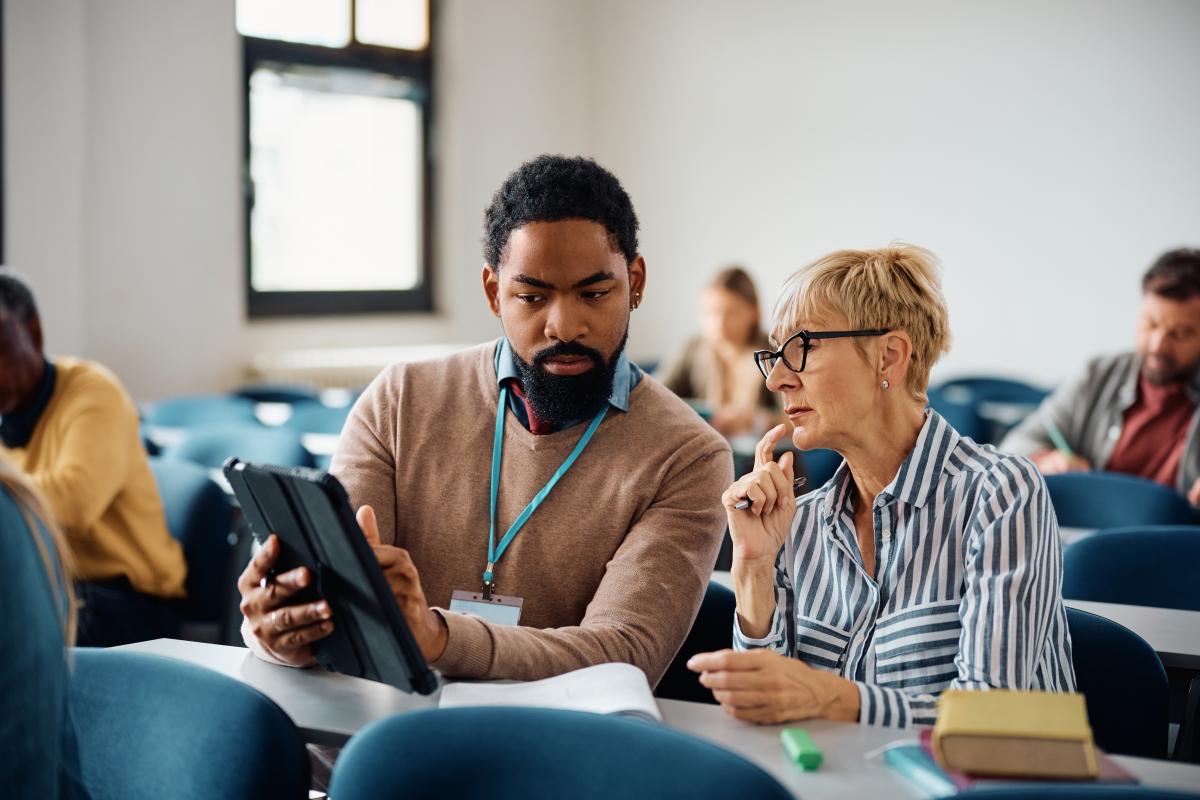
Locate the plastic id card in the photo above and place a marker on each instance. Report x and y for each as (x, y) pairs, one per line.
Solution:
(501, 609)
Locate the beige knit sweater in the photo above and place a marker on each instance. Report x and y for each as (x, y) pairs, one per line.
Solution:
(612, 566)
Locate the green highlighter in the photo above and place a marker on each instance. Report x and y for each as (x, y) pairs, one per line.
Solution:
(800, 748)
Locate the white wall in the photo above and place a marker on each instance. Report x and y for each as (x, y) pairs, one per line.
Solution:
(43, 159)
(124, 145)
(1045, 151)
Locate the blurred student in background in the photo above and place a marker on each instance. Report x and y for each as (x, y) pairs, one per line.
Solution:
(72, 429)
(38, 756)
(1134, 412)
(717, 368)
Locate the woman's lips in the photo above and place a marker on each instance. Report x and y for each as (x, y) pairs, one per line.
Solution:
(794, 412)
(567, 365)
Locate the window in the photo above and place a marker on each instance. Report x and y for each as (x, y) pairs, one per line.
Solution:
(337, 155)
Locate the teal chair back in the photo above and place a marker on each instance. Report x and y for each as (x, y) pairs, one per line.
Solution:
(200, 517)
(210, 446)
(1124, 684)
(278, 393)
(1142, 566)
(819, 466)
(195, 410)
(317, 418)
(712, 630)
(975, 390)
(152, 727)
(537, 754)
(1115, 500)
(963, 417)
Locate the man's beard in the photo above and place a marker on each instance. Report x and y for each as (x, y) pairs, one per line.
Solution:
(1168, 372)
(566, 399)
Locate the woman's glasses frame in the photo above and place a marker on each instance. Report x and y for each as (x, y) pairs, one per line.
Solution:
(765, 359)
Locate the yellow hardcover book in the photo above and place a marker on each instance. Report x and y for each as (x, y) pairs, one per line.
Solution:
(1015, 734)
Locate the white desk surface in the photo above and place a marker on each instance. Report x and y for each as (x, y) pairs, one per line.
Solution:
(1174, 634)
(329, 708)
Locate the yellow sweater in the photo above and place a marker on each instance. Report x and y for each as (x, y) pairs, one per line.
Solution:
(86, 458)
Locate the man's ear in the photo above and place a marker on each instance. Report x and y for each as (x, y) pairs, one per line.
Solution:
(491, 288)
(637, 281)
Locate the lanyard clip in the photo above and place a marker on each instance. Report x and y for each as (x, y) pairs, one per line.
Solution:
(488, 583)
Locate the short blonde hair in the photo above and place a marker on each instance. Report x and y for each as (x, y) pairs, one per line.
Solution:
(897, 287)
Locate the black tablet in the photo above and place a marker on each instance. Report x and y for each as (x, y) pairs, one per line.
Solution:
(310, 513)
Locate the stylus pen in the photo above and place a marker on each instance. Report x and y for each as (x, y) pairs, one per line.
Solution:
(744, 503)
(1060, 441)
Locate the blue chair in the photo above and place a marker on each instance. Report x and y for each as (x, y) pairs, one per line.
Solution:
(317, 418)
(535, 753)
(712, 630)
(152, 447)
(1075, 792)
(188, 412)
(978, 389)
(819, 466)
(963, 417)
(983, 395)
(1146, 566)
(200, 517)
(1124, 683)
(152, 727)
(210, 446)
(1115, 500)
(278, 393)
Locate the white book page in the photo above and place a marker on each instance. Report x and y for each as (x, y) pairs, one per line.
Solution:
(602, 689)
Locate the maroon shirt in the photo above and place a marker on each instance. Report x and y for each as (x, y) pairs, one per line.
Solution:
(1154, 433)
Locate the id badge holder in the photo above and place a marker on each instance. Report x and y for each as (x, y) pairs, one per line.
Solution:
(500, 609)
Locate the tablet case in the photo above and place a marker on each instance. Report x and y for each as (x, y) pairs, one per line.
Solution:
(310, 513)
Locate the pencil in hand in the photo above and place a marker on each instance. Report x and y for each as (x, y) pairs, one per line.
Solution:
(744, 503)
(1060, 441)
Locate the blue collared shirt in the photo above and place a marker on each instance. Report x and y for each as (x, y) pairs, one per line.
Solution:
(965, 592)
(625, 377)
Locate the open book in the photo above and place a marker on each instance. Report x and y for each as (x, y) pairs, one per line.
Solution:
(620, 689)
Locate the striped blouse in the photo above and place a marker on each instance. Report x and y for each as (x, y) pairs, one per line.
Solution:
(967, 591)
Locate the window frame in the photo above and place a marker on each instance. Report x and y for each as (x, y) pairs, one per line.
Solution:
(413, 65)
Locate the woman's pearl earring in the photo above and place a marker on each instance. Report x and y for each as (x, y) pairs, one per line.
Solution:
(885, 385)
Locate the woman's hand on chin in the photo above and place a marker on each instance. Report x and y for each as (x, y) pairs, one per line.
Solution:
(758, 531)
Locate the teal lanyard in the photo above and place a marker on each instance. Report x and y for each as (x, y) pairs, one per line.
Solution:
(494, 553)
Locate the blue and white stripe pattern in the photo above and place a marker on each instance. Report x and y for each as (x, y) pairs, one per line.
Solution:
(967, 591)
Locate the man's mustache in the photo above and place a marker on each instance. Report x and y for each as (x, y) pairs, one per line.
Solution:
(559, 349)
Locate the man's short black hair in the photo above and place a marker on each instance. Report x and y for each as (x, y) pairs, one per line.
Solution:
(552, 188)
(1175, 275)
(15, 296)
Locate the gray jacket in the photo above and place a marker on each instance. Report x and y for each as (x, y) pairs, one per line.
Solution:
(1090, 412)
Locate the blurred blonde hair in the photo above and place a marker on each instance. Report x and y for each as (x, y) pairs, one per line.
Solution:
(897, 287)
(58, 564)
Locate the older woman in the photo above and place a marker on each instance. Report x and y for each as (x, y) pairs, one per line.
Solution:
(927, 561)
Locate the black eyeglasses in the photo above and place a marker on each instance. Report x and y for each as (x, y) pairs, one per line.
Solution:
(795, 349)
